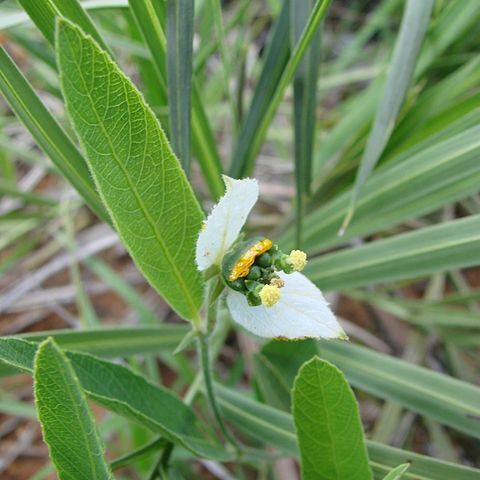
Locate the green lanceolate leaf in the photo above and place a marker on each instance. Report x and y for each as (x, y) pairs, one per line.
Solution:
(120, 390)
(180, 17)
(413, 28)
(138, 177)
(67, 423)
(397, 473)
(329, 430)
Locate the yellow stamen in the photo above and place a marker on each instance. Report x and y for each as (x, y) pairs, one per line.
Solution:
(242, 267)
(269, 295)
(298, 259)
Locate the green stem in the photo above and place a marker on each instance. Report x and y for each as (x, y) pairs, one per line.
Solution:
(207, 378)
(195, 386)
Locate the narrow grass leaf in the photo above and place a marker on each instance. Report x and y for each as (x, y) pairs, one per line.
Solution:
(138, 176)
(304, 106)
(397, 473)
(180, 25)
(67, 423)
(276, 428)
(150, 16)
(120, 390)
(403, 189)
(276, 58)
(116, 341)
(445, 399)
(329, 429)
(46, 131)
(246, 164)
(451, 245)
(412, 30)
(12, 19)
(44, 12)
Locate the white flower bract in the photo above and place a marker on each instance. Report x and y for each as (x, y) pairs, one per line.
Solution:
(225, 222)
(300, 312)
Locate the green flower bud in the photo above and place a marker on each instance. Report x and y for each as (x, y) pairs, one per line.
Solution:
(255, 273)
(238, 285)
(265, 260)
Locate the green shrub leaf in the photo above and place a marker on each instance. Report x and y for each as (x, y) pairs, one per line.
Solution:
(120, 390)
(329, 430)
(138, 176)
(67, 423)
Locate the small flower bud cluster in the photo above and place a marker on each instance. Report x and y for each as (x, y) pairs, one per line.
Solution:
(261, 285)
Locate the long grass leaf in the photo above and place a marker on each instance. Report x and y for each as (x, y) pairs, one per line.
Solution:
(150, 16)
(412, 30)
(46, 131)
(243, 164)
(276, 58)
(451, 245)
(304, 105)
(405, 188)
(276, 428)
(180, 17)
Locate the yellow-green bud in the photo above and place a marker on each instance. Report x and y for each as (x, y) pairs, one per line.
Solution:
(269, 295)
(298, 260)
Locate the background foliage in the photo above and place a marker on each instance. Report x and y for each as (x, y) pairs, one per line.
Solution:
(390, 152)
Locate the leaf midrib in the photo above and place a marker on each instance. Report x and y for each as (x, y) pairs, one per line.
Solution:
(131, 185)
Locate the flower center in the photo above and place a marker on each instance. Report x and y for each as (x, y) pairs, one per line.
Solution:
(242, 267)
(251, 267)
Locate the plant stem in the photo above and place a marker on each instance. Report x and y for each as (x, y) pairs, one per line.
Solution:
(207, 378)
(192, 392)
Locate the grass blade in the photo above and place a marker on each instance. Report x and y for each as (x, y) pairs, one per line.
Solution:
(246, 164)
(130, 157)
(451, 245)
(276, 58)
(447, 400)
(49, 135)
(180, 17)
(304, 97)
(44, 12)
(117, 341)
(149, 16)
(276, 428)
(412, 30)
(405, 188)
(67, 423)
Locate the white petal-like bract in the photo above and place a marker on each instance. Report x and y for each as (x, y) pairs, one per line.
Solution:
(226, 220)
(301, 312)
